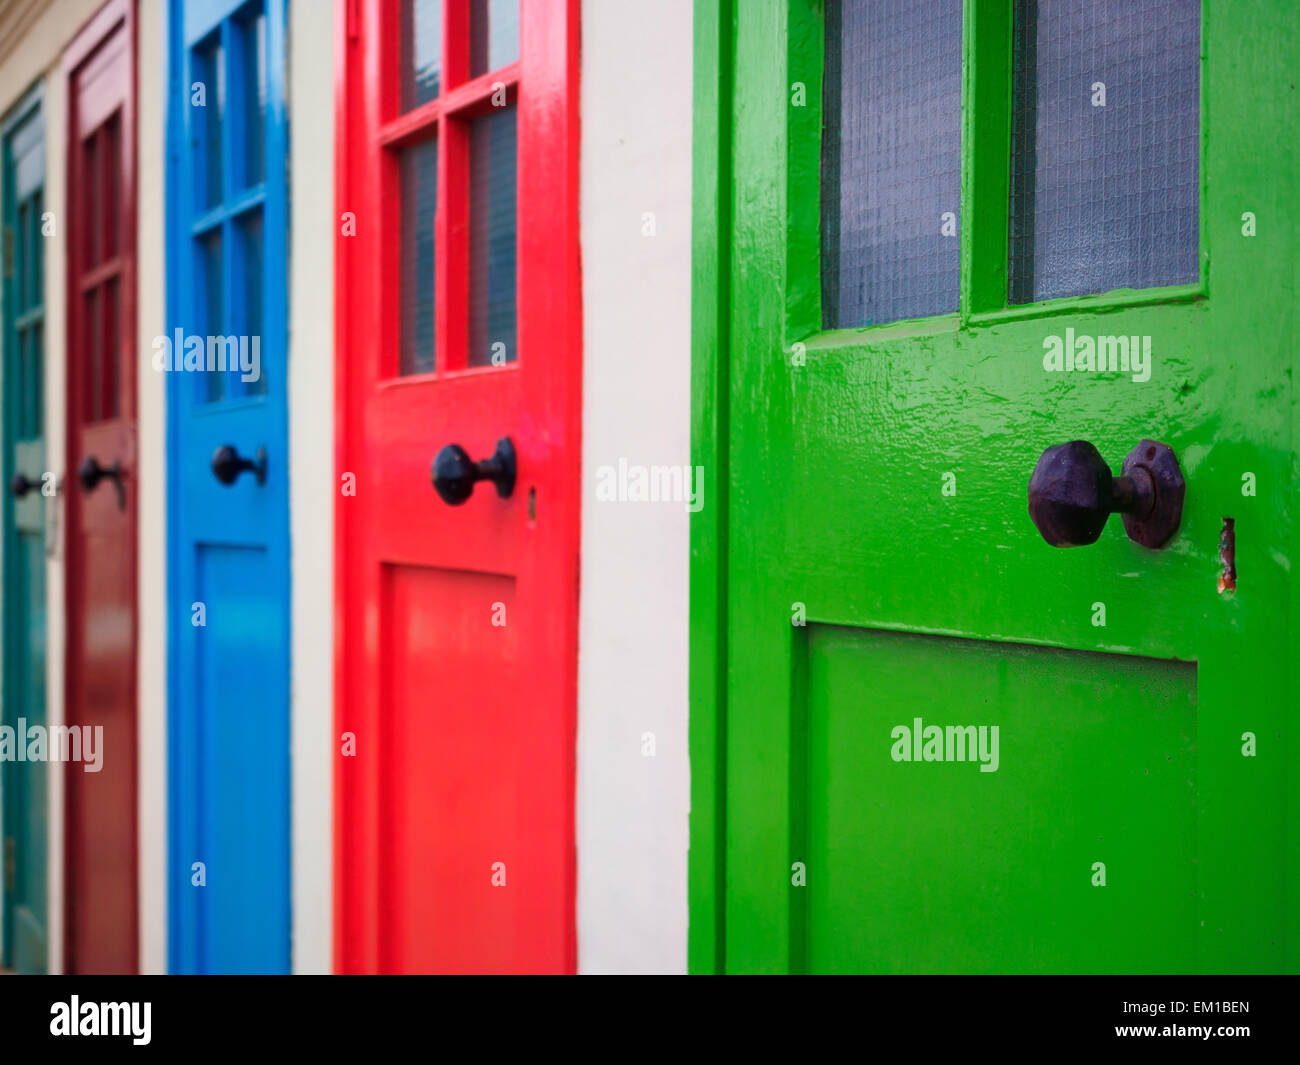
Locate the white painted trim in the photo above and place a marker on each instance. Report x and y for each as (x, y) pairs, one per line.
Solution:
(151, 652)
(633, 627)
(311, 485)
(56, 135)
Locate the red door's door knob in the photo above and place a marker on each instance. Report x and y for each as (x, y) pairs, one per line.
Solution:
(1072, 492)
(455, 474)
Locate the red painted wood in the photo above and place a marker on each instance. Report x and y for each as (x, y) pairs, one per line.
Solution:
(101, 931)
(464, 730)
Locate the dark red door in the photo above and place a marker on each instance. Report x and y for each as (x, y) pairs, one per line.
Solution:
(459, 324)
(100, 491)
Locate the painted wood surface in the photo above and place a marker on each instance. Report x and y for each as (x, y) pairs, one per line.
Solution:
(454, 780)
(101, 931)
(23, 475)
(811, 848)
(229, 579)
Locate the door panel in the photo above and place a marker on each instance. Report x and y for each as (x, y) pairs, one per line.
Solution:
(228, 538)
(961, 852)
(457, 623)
(446, 916)
(99, 64)
(878, 484)
(25, 784)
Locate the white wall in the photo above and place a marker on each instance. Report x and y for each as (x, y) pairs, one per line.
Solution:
(311, 487)
(632, 810)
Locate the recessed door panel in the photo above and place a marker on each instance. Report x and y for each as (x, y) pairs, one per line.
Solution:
(967, 801)
(453, 745)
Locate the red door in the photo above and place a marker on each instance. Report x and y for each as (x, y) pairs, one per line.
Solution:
(458, 324)
(100, 492)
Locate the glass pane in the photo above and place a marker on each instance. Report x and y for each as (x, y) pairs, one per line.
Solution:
(111, 161)
(891, 160)
(22, 274)
(251, 35)
(208, 113)
(38, 383)
(248, 312)
(94, 349)
(1105, 147)
(492, 239)
(421, 46)
(92, 191)
(24, 383)
(110, 402)
(493, 35)
(418, 167)
(37, 260)
(210, 282)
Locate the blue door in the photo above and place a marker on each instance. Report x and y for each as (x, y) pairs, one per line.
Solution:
(22, 174)
(228, 467)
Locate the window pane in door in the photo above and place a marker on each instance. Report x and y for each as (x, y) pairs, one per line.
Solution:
(250, 35)
(111, 205)
(110, 402)
(420, 40)
(1105, 148)
(207, 119)
(248, 311)
(418, 177)
(94, 355)
(209, 276)
(492, 238)
(891, 160)
(493, 35)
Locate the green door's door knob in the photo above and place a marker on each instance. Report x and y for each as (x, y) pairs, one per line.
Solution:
(1072, 492)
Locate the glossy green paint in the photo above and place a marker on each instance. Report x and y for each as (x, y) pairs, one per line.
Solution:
(25, 784)
(832, 448)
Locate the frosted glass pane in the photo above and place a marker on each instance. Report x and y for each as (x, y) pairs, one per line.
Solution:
(1105, 146)
(891, 160)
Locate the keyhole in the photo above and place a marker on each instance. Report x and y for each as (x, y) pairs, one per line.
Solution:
(532, 505)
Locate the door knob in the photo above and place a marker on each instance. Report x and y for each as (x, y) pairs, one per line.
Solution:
(455, 473)
(228, 464)
(90, 473)
(21, 485)
(1072, 493)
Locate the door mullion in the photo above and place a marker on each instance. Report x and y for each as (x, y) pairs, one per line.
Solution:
(985, 155)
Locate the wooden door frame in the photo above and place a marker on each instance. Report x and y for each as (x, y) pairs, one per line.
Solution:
(113, 15)
(547, 240)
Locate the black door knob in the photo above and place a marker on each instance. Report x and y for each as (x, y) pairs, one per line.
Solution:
(228, 464)
(455, 474)
(1072, 493)
(21, 485)
(90, 473)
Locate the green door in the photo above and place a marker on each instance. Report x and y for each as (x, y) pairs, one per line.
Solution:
(24, 493)
(933, 241)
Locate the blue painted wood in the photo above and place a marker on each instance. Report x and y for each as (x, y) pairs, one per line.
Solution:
(23, 902)
(228, 545)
